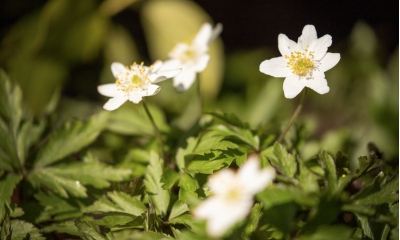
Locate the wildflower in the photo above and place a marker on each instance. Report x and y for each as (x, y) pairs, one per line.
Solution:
(134, 82)
(192, 58)
(233, 194)
(303, 63)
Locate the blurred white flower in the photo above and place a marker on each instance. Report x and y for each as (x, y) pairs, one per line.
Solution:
(303, 63)
(133, 83)
(192, 58)
(233, 194)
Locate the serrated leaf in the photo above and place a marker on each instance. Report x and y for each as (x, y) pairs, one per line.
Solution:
(70, 138)
(95, 173)
(5, 230)
(23, 230)
(57, 183)
(328, 164)
(281, 159)
(308, 180)
(178, 209)
(8, 151)
(187, 188)
(365, 163)
(158, 195)
(169, 178)
(121, 203)
(255, 216)
(242, 134)
(62, 227)
(210, 162)
(10, 102)
(212, 143)
(183, 152)
(89, 230)
(7, 186)
(118, 221)
(190, 222)
(230, 118)
(387, 194)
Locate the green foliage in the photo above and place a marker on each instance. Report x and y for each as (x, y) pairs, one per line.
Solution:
(69, 169)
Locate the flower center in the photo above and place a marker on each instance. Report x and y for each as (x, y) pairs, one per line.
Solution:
(233, 194)
(133, 79)
(300, 63)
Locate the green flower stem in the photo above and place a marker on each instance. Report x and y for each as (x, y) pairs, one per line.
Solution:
(295, 114)
(155, 128)
(199, 95)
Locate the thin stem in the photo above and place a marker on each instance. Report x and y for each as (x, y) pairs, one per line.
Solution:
(155, 129)
(295, 114)
(199, 95)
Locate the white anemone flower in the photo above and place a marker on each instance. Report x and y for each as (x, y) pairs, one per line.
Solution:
(192, 58)
(303, 63)
(233, 194)
(133, 83)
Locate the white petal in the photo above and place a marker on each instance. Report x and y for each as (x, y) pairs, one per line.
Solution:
(156, 65)
(276, 67)
(109, 90)
(254, 179)
(202, 62)
(114, 103)
(308, 36)
(151, 90)
(221, 214)
(318, 82)
(292, 86)
(320, 46)
(118, 69)
(204, 34)
(285, 45)
(164, 75)
(135, 98)
(215, 33)
(171, 64)
(185, 79)
(219, 181)
(329, 61)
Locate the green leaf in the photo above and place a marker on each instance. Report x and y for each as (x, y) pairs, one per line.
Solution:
(230, 118)
(365, 163)
(208, 163)
(281, 159)
(8, 153)
(190, 222)
(23, 230)
(329, 233)
(242, 134)
(282, 193)
(359, 209)
(158, 195)
(120, 221)
(328, 164)
(57, 183)
(8, 183)
(183, 153)
(212, 143)
(308, 180)
(121, 203)
(178, 209)
(280, 216)
(387, 194)
(95, 173)
(5, 230)
(187, 188)
(62, 227)
(169, 178)
(70, 138)
(88, 229)
(255, 216)
(10, 102)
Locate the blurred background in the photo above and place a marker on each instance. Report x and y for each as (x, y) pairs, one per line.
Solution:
(60, 50)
